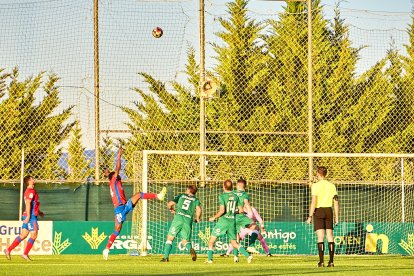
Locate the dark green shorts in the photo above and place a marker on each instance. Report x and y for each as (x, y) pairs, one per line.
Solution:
(180, 226)
(225, 226)
(242, 222)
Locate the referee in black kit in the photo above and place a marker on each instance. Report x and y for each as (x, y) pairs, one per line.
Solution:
(323, 196)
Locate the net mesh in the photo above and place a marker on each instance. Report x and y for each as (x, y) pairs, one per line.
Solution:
(361, 88)
(370, 204)
(51, 115)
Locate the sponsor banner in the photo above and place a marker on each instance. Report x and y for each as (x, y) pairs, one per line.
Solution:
(299, 238)
(74, 237)
(9, 230)
(90, 237)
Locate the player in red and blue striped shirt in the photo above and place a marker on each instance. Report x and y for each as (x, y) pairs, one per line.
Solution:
(29, 217)
(122, 206)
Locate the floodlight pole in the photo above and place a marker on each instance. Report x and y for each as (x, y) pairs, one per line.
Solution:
(201, 95)
(96, 88)
(310, 86)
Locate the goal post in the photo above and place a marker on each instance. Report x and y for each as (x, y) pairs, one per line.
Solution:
(376, 193)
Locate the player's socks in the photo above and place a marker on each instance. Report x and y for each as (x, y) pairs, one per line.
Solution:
(111, 239)
(243, 251)
(168, 247)
(230, 249)
(242, 234)
(148, 196)
(253, 237)
(331, 248)
(210, 254)
(321, 248)
(29, 246)
(265, 246)
(15, 243)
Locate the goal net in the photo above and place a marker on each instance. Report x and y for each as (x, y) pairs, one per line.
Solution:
(376, 196)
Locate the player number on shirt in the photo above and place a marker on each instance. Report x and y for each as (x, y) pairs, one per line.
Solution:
(186, 204)
(231, 206)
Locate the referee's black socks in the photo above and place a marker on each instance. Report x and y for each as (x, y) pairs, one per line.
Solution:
(331, 247)
(321, 249)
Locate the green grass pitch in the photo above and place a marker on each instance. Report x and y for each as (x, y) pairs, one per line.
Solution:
(182, 265)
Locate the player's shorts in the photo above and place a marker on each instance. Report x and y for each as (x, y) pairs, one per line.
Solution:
(32, 225)
(122, 211)
(225, 226)
(180, 226)
(242, 222)
(323, 218)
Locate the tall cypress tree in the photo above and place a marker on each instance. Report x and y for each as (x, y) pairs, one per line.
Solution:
(241, 68)
(167, 120)
(31, 124)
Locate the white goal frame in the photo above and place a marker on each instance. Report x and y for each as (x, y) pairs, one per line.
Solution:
(146, 153)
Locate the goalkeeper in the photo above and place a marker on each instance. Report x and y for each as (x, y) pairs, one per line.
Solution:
(247, 231)
(185, 207)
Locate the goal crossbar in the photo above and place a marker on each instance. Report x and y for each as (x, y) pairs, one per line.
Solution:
(282, 154)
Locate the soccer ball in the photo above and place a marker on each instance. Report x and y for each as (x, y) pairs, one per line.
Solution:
(157, 32)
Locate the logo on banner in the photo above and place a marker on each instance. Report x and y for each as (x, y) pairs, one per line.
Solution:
(205, 236)
(408, 245)
(58, 245)
(95, 239)
(371, 240)
(43, 245)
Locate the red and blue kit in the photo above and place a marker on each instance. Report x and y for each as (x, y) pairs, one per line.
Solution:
(117, 192)
(32, 225)
(121, 206)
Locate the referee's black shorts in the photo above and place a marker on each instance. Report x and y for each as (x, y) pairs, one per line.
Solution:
(323, 218)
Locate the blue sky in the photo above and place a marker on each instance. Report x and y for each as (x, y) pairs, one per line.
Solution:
(57, 36)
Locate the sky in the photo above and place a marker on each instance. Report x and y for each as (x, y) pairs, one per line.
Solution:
(57, 36)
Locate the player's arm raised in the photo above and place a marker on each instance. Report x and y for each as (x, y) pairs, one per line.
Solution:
(221, 211)
(312, 209)
(118, 163)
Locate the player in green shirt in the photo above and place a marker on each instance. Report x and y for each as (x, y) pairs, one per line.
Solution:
(185, 207)
(242, 220)
(226, 223)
